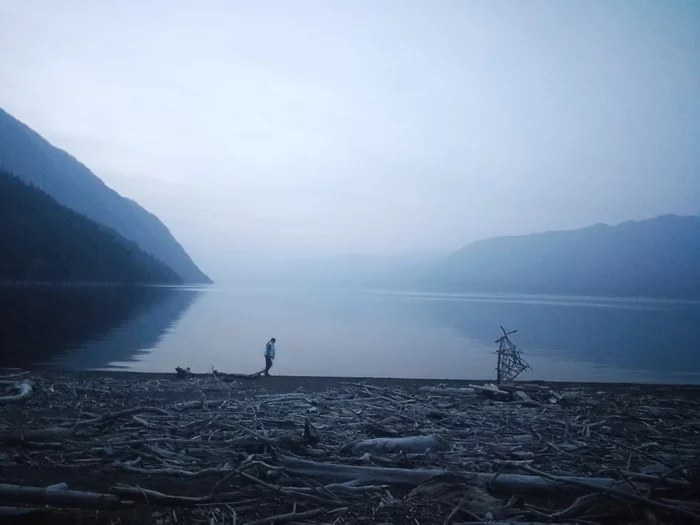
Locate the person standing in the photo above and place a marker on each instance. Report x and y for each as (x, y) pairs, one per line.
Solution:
(269, 355)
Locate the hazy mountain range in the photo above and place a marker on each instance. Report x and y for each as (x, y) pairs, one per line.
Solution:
(657, 257)
(24, 153)
(45, 242)
(651, 258)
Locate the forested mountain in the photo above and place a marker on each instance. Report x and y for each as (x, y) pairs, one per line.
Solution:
(30, 157)
(652, 258)
(43, 241)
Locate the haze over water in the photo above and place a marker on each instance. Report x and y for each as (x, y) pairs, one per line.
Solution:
(354, 334)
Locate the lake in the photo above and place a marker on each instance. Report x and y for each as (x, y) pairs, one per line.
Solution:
(354, 334)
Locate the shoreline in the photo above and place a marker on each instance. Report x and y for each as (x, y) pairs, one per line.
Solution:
(136, 448)
(316, 383)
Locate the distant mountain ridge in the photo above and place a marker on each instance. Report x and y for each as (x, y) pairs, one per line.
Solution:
(42, 241)
(29, 156)
(651, 258)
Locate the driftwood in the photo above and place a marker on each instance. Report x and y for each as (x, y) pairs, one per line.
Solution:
(510, 361)
(16, 512)
(52, 434)
(25, 390)
(11, 376)
(447, 390)
(233, 377)
(512, 483)
(526, 400)
(405, 444)
(36, 435)
(63, 498)
(492, 390)
(158, 498)
(235, 452)
(207, 403)
(632, 496)
(292, 516)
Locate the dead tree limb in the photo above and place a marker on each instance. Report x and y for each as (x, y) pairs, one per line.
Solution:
(36, 436)
(153, 497)
(610, 491)
(111, 416)
(16, 512)
(173, 471)
(416, 444)
(200, 404)
(504, 483)
(60, 498)
(292, 516)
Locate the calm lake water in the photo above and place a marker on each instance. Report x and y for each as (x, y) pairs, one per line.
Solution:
(360, 334)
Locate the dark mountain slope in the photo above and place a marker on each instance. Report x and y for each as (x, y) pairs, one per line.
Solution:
(653, 258)
(43, 241)
(29, 156)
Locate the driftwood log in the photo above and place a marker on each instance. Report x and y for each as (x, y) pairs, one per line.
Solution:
(446, 390)
(354, 453)
(512, 483)
(62, 498)
(25, 389)
(415, 444)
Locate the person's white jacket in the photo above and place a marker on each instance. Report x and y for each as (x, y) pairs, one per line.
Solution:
(270, 350)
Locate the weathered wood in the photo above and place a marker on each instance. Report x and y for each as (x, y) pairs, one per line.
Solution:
(36, 436)
(585, 484)
(526, 400)
(51, 434)
(292, 516)
(16, 512)
(173, 471)
(153, 497)
(511, 483)
(510, 362)
(447, 390)
(62, 498)
(111, 416)
(415, 444)
(238, 465)
(199, 403)
(492, 390)
(25, 391)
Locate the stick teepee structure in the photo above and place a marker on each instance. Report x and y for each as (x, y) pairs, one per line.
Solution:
(510, 362)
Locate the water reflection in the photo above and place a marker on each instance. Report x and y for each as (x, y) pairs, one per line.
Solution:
(424, 336)
(658, 336)
(83, 327)
(349, 334)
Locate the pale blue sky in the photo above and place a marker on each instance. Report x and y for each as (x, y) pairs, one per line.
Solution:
(372, 126)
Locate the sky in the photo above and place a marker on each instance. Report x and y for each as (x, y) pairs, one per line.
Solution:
(270, 129)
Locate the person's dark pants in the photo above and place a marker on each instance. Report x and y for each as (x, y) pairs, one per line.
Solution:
(268, 365)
